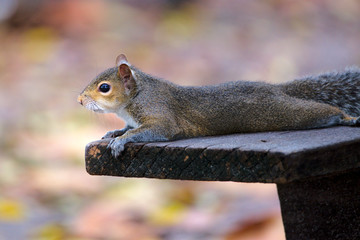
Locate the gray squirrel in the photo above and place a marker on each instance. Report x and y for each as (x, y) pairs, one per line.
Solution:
(158, 110)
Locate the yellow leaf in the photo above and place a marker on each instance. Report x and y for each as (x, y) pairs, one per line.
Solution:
(51, 232)
(11, 210)
(39, 44)
(169, 214)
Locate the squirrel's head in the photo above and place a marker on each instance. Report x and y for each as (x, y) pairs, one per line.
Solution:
(111, 89)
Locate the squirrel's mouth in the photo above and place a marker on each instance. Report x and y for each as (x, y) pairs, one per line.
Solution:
(97, 110)
(90, 104)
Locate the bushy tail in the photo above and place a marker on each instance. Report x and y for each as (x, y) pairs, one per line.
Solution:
(340, 89)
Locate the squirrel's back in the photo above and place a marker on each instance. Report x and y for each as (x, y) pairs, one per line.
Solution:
(339, 89)
(248, 106)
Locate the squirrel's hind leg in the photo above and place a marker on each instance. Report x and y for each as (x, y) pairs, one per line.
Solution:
(350, 121)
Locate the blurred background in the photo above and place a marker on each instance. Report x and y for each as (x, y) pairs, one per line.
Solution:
(50, 50)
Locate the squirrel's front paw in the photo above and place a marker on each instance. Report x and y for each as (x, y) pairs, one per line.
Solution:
(113, 134)
(117, 145)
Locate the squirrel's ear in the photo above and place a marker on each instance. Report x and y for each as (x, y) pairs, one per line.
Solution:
(121, 59)
(125, 73)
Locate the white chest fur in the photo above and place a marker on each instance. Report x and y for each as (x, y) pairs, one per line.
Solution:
(130, 121)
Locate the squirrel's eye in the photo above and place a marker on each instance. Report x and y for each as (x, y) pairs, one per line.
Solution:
(104, 88)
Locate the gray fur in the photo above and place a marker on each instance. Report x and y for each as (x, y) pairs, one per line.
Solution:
(339, 89)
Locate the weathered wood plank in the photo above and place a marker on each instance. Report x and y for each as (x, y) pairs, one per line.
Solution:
(276, 157)
(322, 208)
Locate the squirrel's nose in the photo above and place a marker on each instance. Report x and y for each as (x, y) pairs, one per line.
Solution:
(79, 99)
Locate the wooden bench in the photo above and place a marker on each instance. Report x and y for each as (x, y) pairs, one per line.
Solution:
(317, 172)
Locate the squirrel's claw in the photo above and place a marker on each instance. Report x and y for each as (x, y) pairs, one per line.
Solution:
(357, 122)
(117, 146)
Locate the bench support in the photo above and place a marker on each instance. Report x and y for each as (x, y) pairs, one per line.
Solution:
(322, 208)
